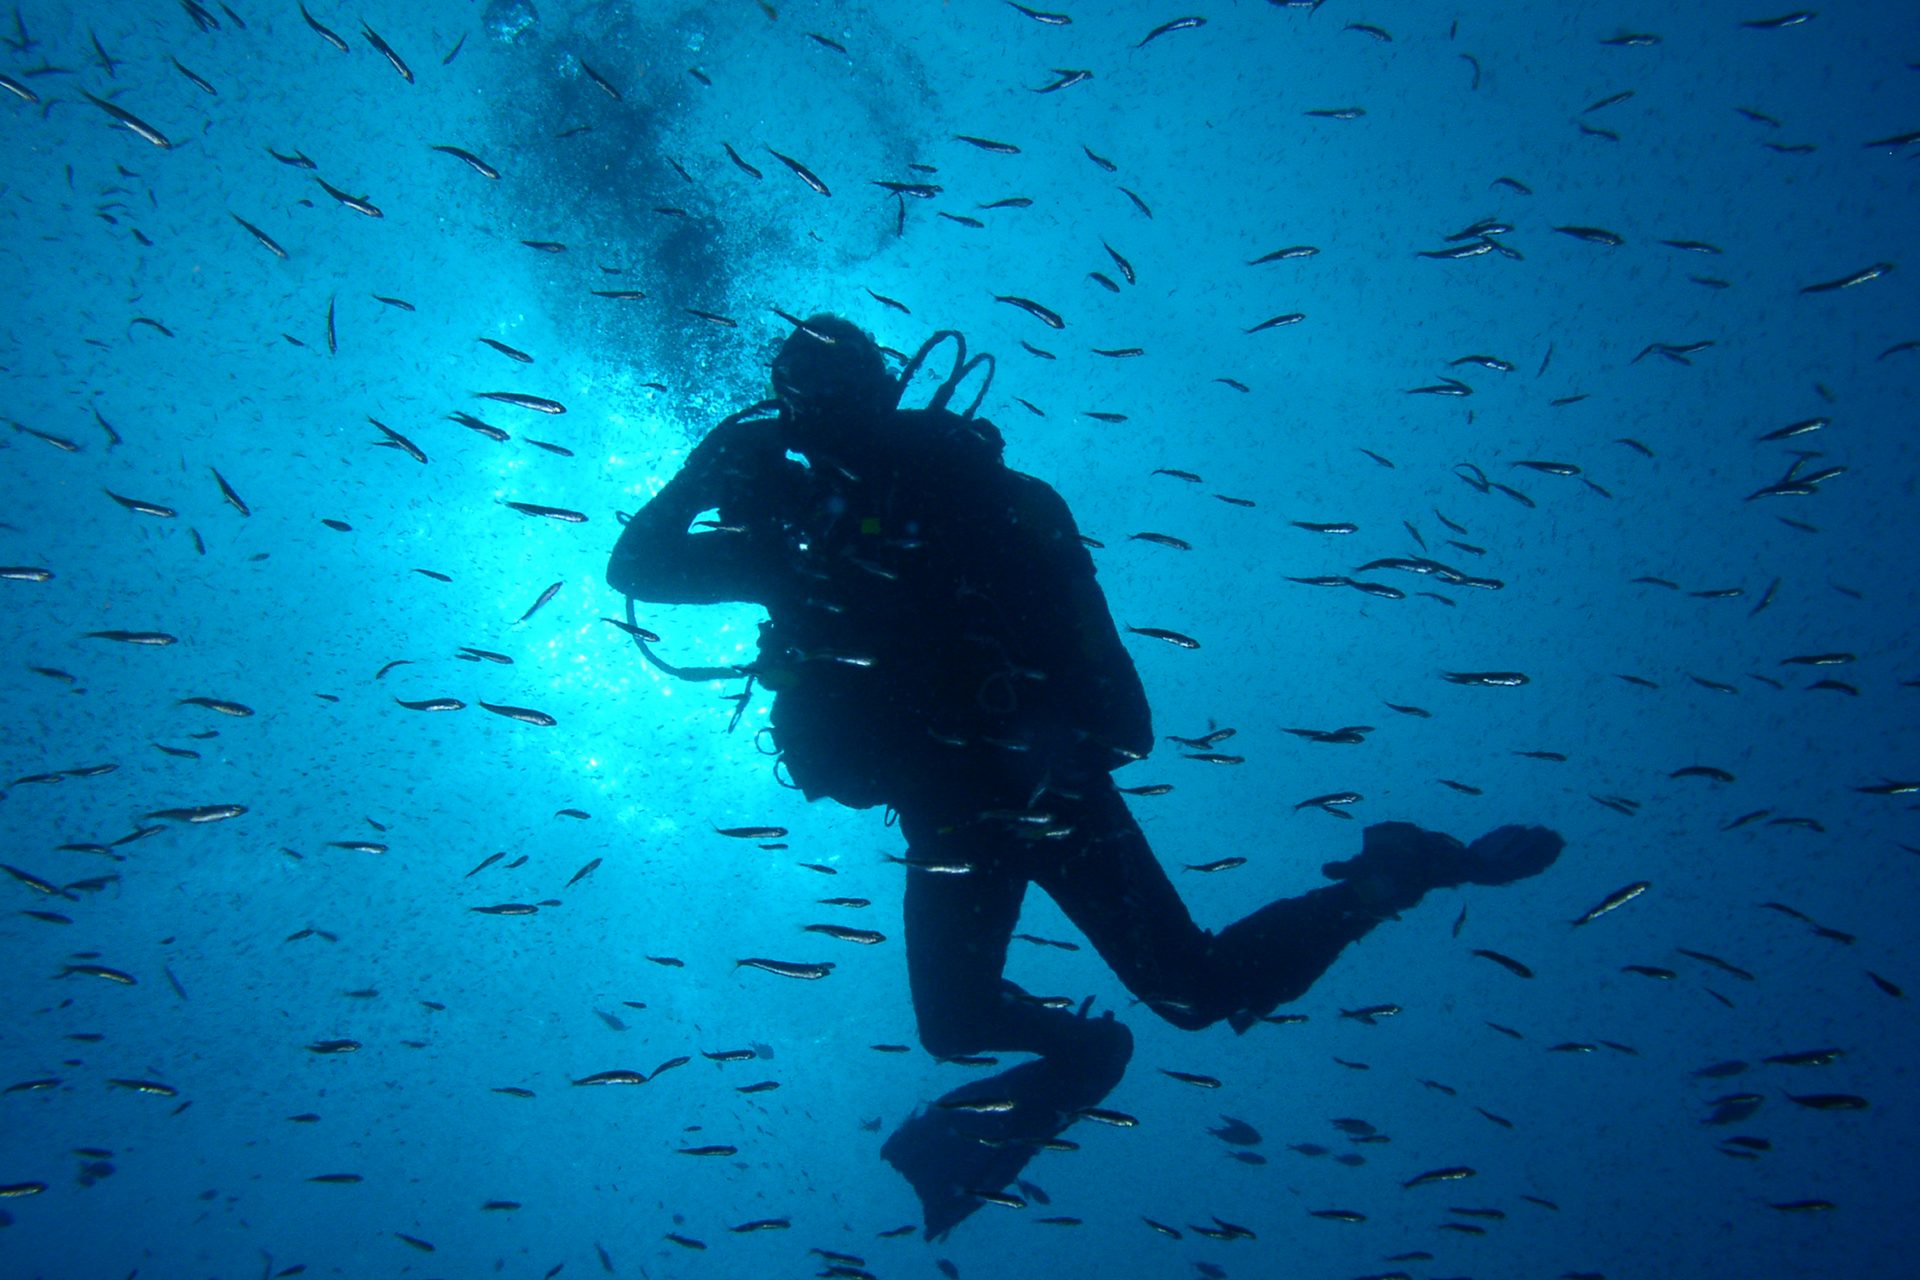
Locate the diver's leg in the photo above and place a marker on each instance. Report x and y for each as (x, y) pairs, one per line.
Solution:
(1105, 877)
(978, 1137)
(1274, 955)
(1110, 885)
(958, 926)
(1107, 880)
(1113, 887)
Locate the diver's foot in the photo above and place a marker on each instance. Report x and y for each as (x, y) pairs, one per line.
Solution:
(1506, 854)
(959, 1155)
(937, 1158)
(1398, 861)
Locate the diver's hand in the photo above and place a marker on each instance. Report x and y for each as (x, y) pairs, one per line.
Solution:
(734, 448)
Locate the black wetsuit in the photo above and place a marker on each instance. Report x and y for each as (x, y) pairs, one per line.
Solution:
(937, 642)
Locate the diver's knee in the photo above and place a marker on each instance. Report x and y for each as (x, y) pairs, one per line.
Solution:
(1104, 1037)
(1097, 1054)
(945, 1042)
(947, 1035)
(1112, 1042)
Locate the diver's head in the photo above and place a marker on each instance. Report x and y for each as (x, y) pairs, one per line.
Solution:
(833, 382)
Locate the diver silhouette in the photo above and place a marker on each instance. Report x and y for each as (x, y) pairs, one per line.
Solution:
(936, 642)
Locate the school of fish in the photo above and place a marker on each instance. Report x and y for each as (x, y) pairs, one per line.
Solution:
(342, 338)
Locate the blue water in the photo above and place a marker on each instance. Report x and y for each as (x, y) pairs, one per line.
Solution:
(255, 937)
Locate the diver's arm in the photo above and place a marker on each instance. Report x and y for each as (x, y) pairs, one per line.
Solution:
(658, 560)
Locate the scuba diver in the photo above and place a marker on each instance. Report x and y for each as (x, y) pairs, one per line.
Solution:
(937, 643)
